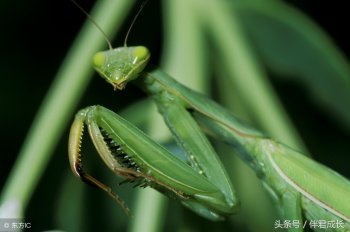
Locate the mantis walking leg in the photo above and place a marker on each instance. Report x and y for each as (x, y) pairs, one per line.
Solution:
(200, 153)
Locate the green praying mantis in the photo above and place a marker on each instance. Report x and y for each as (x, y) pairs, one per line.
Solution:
(300, 186)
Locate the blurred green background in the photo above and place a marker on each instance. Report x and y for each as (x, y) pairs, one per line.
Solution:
(36, 36)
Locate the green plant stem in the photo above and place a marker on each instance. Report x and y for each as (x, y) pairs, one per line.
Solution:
(59, 104)
(154, 205)
(252, 83)
(185, 55)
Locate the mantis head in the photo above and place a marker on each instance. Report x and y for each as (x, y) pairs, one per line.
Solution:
(121, 65)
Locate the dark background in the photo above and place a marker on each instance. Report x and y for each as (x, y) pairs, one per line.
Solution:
(35, 36)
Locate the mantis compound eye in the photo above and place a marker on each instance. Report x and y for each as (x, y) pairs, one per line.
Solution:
(140, 53)
(99, 59)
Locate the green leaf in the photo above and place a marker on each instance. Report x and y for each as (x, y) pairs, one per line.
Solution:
(293, 46)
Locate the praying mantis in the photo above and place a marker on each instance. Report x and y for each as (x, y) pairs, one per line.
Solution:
(299, 186)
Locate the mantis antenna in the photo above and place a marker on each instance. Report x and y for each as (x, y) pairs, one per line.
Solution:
(94, 22)
(100, 29)
(133, 22)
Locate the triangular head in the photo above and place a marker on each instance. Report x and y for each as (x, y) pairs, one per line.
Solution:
(120, 65)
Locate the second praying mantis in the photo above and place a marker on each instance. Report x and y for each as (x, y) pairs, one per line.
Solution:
(299, 186)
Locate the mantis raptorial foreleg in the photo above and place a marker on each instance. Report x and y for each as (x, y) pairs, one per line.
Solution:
(133, 155)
